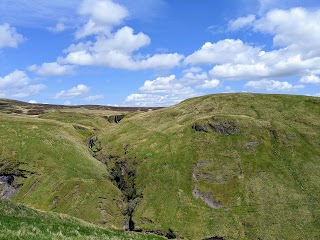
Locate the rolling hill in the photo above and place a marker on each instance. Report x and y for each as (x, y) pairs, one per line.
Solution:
(227, 166)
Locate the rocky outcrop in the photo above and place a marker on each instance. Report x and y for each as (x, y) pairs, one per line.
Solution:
(200, 128)
(225, 127)
(9, 172)
(220, 126)
(7, 188)
(207, 197)
(214, 238)
(169, 235)
(114, 118)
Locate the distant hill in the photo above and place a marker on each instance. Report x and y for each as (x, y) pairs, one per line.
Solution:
(226, 166)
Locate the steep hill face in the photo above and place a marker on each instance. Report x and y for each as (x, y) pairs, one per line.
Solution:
(229, 166)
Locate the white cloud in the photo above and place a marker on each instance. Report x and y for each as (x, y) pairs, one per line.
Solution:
(18, 85)
(209, 84)
(103, 16)
(33, 102)
(224, 51)
(52, 69)
(241, 22)
(314, 95)
(59, 27)
(272, 85)
(240, 71)
(78, 91)
(9, 36)
(153, 100)
(94, 98)
(266, 5)
(199, 78)
(162, 85)
(163, 91)
(297, 28)
(296, 34)
(117, 50)
(310, 79)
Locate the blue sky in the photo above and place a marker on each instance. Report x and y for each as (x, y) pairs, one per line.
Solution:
(156, 52)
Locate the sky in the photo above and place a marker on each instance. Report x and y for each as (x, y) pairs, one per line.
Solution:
(156, 52)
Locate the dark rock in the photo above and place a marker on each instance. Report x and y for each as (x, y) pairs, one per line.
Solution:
(214, 238)
(226, 127)
(200, 128)
(8, 189)
(7, 179)
(91, 143)
(114, 118)
(171, 234)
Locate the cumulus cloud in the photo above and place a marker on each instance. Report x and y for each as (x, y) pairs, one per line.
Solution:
(52, 69)
(33, 102)
(152, 100)
(78, 91)
(163, 91)
(310, 79)
(272, 85)
(224, 51)
(161, 85)
(293, 28)
(201, 79)
(94, 98)
(103, 16)
(9, 36)
(241, 22)
(59, 27)
(296, 34)
(209, 84)
(18, 85)
(117, 51)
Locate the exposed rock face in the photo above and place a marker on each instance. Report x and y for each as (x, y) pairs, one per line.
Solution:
(214, 238)
(169, 235)
(220, 126)
(115, 118)
(200, 128)
(9, 172)
(8, 189)
(207, 197)
(225, 127)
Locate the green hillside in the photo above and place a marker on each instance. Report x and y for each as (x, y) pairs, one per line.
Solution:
(230, 166)
(19, 222)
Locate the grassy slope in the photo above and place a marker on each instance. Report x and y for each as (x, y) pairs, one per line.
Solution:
(64, 169)
(19, 222)
(268, 191)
